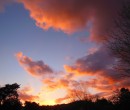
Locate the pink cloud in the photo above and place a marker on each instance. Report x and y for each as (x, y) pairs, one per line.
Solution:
(34, 68)
(53, 84)
(97, 65)
(25, 94)
(75, 15)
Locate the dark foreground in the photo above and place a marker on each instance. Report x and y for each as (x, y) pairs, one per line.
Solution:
(120, 100)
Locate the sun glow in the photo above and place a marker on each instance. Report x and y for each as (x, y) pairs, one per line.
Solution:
(48, 102)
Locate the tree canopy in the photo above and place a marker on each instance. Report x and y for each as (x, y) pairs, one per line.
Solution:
(119, 39)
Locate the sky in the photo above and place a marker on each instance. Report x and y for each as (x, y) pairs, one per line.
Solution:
(53, 48)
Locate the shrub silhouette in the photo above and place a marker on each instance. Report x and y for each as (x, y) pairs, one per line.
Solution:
(9, 97)
(12, 104)
(123, 99)
(31, 106)
(9, 101)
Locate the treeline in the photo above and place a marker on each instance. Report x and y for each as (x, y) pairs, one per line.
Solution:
(120, 100)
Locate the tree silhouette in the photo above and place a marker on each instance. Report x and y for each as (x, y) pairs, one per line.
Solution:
(12, 104)
(121, 99)
(9, 97)
(124, 99)
(119, 39)
(103, 104)
(10, 101)
(31, 106)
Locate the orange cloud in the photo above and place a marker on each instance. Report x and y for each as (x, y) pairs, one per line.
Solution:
(53, 84)
(62, 100)
(97, 65)
(97, 62)
(76, 71)
(35, 68)
(73, 95)
(60, 15)
(25, 94)
(75, 15)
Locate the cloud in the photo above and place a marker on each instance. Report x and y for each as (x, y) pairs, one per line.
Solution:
(102, 86)
(98, 64)
(67, 16)
(25, 94)
(73, 95)
(71, 16)
(95, 70)
(61, 100)
(53, 84)
(75, 15)
(34, 68)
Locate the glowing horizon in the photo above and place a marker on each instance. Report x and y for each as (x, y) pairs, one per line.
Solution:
(55, 49)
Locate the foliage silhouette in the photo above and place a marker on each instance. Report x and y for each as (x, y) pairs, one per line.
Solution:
(31, 106)
(123, 99)
(12, 104)
(119, 101)
(123, 102)
(119, 39)
(9, 97)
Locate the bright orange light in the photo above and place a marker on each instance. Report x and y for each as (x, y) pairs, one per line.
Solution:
(47, 102)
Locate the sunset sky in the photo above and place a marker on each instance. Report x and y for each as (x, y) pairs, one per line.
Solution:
(53, 47)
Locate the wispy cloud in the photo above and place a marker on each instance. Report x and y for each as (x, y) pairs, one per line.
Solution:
(97, 65)
(96, 62)
(72, 16)
(25, 94)
(55, 83)
(35, 68)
